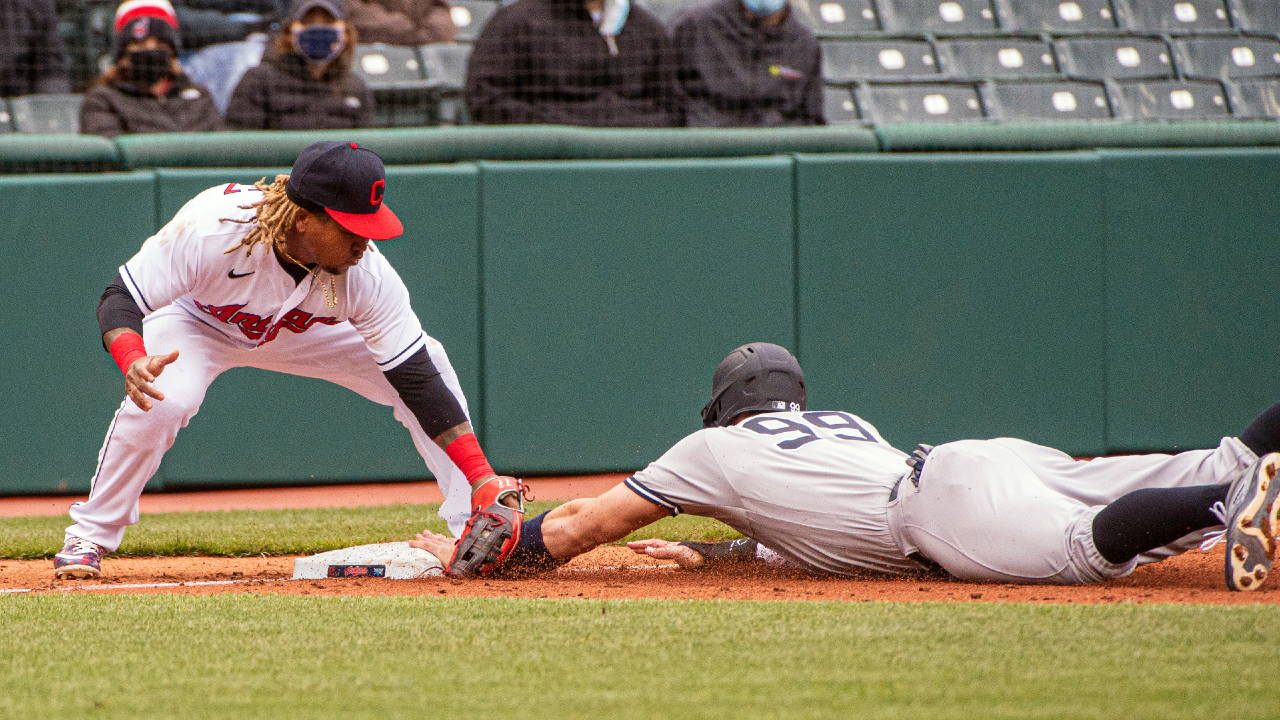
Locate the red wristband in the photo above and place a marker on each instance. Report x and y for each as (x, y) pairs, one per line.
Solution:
(126, 348)
(465, 452)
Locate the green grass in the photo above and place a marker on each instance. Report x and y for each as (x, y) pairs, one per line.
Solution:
(286, 532)
(246, 656)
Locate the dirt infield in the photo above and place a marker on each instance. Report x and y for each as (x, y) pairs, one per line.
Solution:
(617, 573)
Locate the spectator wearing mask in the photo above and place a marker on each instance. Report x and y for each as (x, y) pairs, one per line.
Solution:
(402, 22)
(748, 63)
(32, 56)
(574, 62)
(145, 90)
(305, 80)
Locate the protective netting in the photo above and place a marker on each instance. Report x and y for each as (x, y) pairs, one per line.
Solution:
(82, 66)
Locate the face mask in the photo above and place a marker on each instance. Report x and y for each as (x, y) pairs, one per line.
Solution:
(318, 43)
(761, 8)
(149, 66)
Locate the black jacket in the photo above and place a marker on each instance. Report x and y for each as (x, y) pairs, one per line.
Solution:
(32, 57)
(543, 61)
(122, 108)
(280, 94)
(737, 73)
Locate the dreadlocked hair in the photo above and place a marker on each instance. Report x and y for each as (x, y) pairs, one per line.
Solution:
(276, 214)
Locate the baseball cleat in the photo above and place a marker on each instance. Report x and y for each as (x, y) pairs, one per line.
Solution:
(79, 560)
(1252, 518)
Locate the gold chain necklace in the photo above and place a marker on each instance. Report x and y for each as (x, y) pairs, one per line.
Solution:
(331, 303)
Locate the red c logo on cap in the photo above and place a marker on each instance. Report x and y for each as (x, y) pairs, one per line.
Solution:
(375, 196)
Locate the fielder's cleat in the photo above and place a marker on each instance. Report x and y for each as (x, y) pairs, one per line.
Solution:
(79, 560)
(1252, 517)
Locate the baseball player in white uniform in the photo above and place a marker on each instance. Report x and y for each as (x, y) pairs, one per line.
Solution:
(824, 491)
(281, 277)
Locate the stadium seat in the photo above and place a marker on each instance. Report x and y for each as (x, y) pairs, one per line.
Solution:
(1227, 57)
(6, 118)
(836, 17)
(1119, 58)
(1256, 99)
(470, 16)
(1056, 16)
(838, 107)
(52, 114)
(1256, 16)
(446, 67)
(850, 60)
(999, 58)
(220, 67)
(1065, 100)
(1170, 100)
(1175, 16)
(939, 17)
(403, 97)
(886, 104)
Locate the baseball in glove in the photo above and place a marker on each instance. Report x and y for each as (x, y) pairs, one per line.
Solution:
(493, 530)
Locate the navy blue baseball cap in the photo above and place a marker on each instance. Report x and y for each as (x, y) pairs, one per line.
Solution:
(346, 181)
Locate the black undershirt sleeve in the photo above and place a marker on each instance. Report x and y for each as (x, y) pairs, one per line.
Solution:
(117, 308)
(422, 388)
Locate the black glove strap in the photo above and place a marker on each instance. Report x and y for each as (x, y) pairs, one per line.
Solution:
(720, 552)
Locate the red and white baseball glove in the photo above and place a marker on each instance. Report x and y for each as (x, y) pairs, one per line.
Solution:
(493, 530)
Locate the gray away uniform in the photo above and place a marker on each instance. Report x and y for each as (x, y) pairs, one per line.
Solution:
(815, 487)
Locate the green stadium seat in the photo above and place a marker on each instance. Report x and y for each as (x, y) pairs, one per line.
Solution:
(838, 107)
(1170, 100)
(1062, 100)
(1173, 16)
(998, 58)
(446, 67)
(1256, 99)
(6, 117)
(1256, 16)
(846, 61)
(403, 97)
(1057, 16)
(1117, 58)
(938, 17)
(833, 18)
(46, 114)
(913, 103)
(1227, 57)
(470, 16)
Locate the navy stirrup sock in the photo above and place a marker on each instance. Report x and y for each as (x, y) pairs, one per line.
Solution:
(1154, 517)
(1263, 435)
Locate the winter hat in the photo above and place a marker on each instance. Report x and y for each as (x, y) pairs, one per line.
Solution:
(141, 19)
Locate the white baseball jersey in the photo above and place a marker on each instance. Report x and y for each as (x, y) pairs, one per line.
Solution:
(811, 486)
(250, 298)
(223, 310)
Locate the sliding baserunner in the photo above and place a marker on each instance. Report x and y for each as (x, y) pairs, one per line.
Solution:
(823, 490)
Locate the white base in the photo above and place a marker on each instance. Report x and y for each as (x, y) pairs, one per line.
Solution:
(395, 561)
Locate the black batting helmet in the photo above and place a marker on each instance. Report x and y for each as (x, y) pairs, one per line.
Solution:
(758, 376)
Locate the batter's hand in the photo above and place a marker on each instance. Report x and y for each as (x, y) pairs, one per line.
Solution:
(143, 372)
(685, 556)
(439, 545)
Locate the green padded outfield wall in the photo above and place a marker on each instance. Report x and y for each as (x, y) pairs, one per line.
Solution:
(62, 237)
(944, 297)
(1194, 305)
(331, 433)
(611, 292)
(1092, 300)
